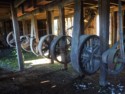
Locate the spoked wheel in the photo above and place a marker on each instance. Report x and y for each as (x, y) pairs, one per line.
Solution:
(115, 62)
(10, 39)
(89, 55)
(25, 43)
(44, 45)
(60, 49)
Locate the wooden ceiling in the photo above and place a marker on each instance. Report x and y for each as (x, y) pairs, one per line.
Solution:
(38, 7)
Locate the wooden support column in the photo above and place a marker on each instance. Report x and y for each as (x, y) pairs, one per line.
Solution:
(104, 9)
(77, 31)
(62, 20)
(25, 27)
(62, 32)
(49, 22)
(3, 29)
(114, 27)
(49, 28)
(17, 37)
(52, 15)
(124, 26)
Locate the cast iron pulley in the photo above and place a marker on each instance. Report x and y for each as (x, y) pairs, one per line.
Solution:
(60, 49)
(89, 54)
(25, 43)
(10, 39)
(115, 62)
(44, 45)
(34, 46)
(112, 57)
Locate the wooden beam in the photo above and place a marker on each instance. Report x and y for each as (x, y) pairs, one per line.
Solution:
(52, 20)
(49, 7)
(62, 32)
(114, 26)
(49, 22)
(18, 3)
(124, 26)
(17, 37)
(62, 20)
(25, 27)
(104, 36)
(77, 31)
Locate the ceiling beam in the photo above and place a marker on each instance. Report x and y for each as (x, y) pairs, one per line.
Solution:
(17, 3)
(50, 7)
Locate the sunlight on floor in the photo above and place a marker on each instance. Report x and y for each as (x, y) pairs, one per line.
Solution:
(38, 61)
(46, 81)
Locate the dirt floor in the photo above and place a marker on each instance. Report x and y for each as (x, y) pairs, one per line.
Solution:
(49, 79)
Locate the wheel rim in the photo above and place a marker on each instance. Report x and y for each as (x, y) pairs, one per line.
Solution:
(44, 45)
(114, 66)
(25, 43)
(90, 54)
(10, 40)
(58, 51)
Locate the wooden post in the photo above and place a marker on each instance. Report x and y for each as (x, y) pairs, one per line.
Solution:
(49, 28)
(25, 27)
(104, 9)
(124, 26)
(52, 20)
(77, 31)
(17, 37)
(3, 29)
(62, 20)
(62, 32)
(114, 27)
(49, 22)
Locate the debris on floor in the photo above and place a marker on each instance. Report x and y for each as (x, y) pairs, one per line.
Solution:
(112, 89)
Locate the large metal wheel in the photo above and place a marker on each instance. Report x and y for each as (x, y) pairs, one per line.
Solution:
(25, 43)
(44, 45)
(34, 46)
(89, 55)
(115, 62)
(60, 49)
(10, 39)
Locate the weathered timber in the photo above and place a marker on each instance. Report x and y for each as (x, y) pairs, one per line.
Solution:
(62, 20)
(49, 7)
(104, 9)
(124, 26)
(17, 37)
(114, 27)
(18, 3)
(52, 20)
(25, 27)
(49, 27)
(49, 22)
(62, 32)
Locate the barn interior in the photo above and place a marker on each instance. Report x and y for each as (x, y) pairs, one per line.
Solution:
(62, 46)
